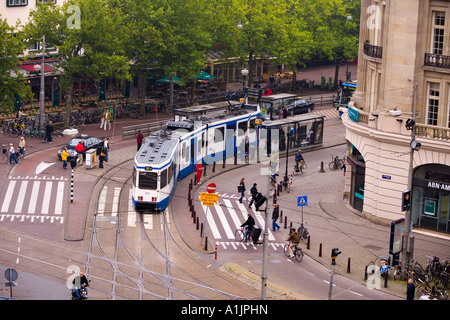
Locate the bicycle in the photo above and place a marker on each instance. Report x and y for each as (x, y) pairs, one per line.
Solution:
(299, 169)
(239, 234)
(298, 252)
(335, 163)
(435, 291)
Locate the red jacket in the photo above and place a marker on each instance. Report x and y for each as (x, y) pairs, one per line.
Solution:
(79, 147)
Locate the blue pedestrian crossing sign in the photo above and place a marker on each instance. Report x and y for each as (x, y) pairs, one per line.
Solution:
(302, 201)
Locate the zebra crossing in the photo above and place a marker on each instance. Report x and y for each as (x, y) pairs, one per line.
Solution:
(34, 199)
(329, 113)
(108, 209)
(229, 214)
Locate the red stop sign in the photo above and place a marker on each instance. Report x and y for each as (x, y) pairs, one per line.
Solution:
(211, 188)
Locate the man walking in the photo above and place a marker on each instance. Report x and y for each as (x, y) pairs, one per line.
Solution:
(254, 193)
(48, 133)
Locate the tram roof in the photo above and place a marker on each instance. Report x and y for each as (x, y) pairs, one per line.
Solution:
(205, 109)
(291, 120)
(157, 148)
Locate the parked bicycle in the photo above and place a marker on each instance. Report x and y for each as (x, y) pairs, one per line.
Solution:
(434, 291)
(336, 163)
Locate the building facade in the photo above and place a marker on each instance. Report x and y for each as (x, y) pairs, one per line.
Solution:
(404, 65)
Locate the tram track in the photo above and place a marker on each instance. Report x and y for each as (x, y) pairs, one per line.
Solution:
(147, 270)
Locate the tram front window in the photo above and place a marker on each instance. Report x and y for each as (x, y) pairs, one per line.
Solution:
(148, 180)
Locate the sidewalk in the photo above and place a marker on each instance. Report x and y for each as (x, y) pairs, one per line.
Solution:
(331, 221)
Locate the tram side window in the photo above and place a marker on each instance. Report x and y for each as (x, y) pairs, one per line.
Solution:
(242, 128)
(219, 134)
(163, 181)
(148, 180)
(134, 176)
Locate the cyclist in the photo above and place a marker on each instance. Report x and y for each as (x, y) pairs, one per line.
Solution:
(248, 224)
(78, 281)
(294, 239)
(298, 159)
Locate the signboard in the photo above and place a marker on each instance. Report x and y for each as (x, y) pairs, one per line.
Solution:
(209, 199)
(302, 201)
(353, 114)
(397, 229)
(211, 188)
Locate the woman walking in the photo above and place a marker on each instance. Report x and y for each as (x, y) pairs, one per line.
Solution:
(241, 189)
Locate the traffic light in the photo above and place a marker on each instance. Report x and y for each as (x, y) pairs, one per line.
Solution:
(406, 200)
(334, 253)
(410, 124)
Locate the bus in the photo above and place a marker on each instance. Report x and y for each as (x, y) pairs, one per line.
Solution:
(344, 95)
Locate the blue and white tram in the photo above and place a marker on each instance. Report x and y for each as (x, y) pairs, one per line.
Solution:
(201, 134)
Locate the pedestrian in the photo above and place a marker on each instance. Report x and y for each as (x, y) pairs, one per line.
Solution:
(344, 167)
(139, 138)
(102, 119)
(107, 120)
(294, 239)
(64, 155)
(410, 290)
(12, 154)
(254, 192)
(79, 148)
(248, 224)
(241, 189)
(199, 170)
(22, 147)
(106, 148)
(48, 133)
(280, 113)
(275, 215)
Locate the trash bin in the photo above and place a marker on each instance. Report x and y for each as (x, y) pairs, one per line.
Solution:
(90, 158)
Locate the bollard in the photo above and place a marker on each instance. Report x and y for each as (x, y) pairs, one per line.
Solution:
(285, 222)
(214, 167)
(308, 244)
(348, 265)
(206, 243)
(194, 215)
(365, 273)
(290, 225)
(196, 225)
(215, 252)
(71, 187)
(235, 159)
(223, 164)
(204, 170)
(281, 215)
(195, 179)
(321, 167)
(201, 229)
(320, 250)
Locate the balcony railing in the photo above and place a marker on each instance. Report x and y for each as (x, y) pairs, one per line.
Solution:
(373, 51)
(432, 132)
(437, 60)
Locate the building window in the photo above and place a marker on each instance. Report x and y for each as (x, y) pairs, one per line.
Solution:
(433, 103)
(16, 3)
(437, 42)
(45, 1)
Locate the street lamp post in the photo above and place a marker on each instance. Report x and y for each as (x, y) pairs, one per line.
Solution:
(244, 78)
(42, 87)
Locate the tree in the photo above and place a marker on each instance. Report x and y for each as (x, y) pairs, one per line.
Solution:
(88, 37)
(12, 81)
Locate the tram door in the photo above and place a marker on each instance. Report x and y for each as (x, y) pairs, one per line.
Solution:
(230, 140)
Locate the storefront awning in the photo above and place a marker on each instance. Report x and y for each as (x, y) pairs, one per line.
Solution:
(30, 68)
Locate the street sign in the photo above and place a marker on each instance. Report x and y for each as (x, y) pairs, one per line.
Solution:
(211, 187)
(209, 199)
(11, 274)
(302, 201)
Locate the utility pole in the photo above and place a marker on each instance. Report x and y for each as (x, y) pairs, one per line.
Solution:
(405, 249)
(42, 92)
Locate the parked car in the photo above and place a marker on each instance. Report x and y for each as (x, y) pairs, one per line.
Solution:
(299, 106)
(89, 143)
